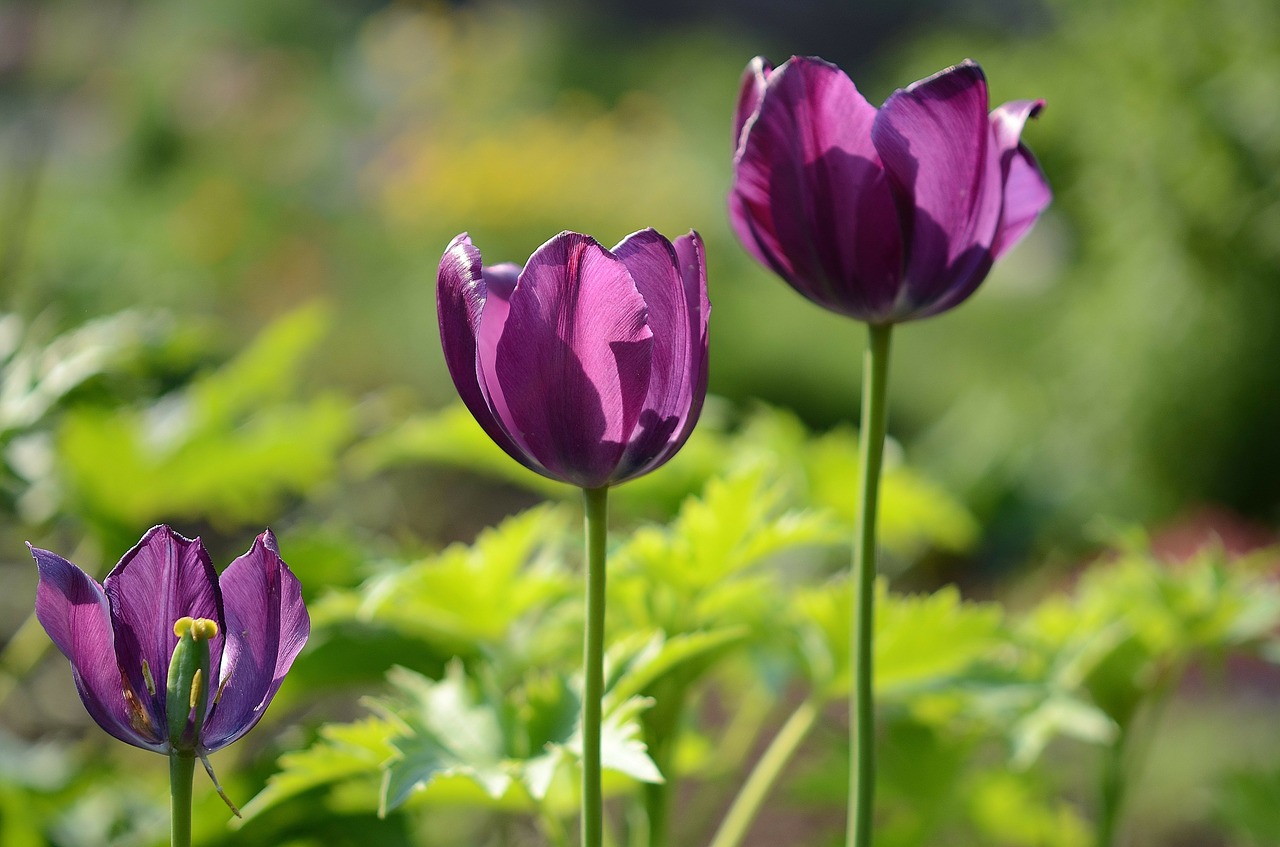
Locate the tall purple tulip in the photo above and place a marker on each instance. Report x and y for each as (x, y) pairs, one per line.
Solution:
(885, 216)
(882, 215)
(588, 365)
(247, 625)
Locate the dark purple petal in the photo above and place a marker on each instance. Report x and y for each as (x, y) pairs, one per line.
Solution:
(163, 578)
(74, 611)
(267, 625)
(810, 198)
(571, 367)
(752, 89)
(935, 141)
(673, 282)
(1026, 191)
(463, 290)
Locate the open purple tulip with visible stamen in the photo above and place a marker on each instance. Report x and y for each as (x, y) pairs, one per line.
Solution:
(170, 657)
(588, 365)
(884, 215)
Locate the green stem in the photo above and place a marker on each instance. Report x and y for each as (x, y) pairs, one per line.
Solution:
(661, 729)
(752, 795)
(182, 767)
(595, 501)
(875, 379)
(1112, 793)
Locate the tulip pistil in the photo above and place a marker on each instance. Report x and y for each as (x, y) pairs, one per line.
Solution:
(188, 670)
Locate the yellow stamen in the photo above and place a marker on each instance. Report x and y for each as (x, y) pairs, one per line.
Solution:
(197, 687)
(201, 629)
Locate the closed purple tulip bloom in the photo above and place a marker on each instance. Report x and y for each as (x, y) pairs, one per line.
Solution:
(883, 215)
(120, 636)
(588, 365)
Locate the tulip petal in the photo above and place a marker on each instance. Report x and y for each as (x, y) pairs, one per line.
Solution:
(810, 198)
(163, 578)
(1026, 191)
(571, 369)
(749, 94)
(267, 625)
(936, 144)
(465, 293)
(673, 282)
(75, 613)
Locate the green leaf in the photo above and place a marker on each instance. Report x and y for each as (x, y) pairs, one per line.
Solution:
(449, 437)
(447, 732)
(1246, 804)
(915, 514)
(637, 663)
(1058, 714)
(922, 642)
(343, 753)
(689, 575)
(229, 447)
(469, 597)
(1010, 810)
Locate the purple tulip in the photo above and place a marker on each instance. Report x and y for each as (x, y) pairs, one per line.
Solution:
(588, 365)
(883, 215)
(247, 626)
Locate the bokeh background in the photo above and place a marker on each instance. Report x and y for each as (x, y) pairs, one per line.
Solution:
(183, 182)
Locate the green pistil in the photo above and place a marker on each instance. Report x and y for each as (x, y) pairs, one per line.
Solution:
(188, 670)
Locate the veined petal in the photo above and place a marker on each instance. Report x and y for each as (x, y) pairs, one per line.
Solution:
(1026, 191)
(810, 198)
(163, 578)
(74, 611)
(936, 144)
(678, 315)
(465, 291)
(654, 266)
(572, 364)
(267, 625)
(752, 89)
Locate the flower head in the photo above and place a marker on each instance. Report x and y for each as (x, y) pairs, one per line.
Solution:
(167, 655)
(588, 365)
(883, 215)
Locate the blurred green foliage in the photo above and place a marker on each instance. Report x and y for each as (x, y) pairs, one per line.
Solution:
(219, 227)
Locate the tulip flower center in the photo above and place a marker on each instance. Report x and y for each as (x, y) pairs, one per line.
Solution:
(185, 701)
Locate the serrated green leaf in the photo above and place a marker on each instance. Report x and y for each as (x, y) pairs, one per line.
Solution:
(469, 596)
(636, 664)
(342, 753)
(446, 732)
(922, 642)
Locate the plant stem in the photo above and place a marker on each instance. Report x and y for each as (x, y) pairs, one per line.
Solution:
(875, 378)
(1112, 794)
(661, 724)
(182, 768)
(751, 796)
(595, 501)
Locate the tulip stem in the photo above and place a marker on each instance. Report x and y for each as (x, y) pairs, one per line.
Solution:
(595, 501)
(862, 768)
(751, 797)
(182, 768)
